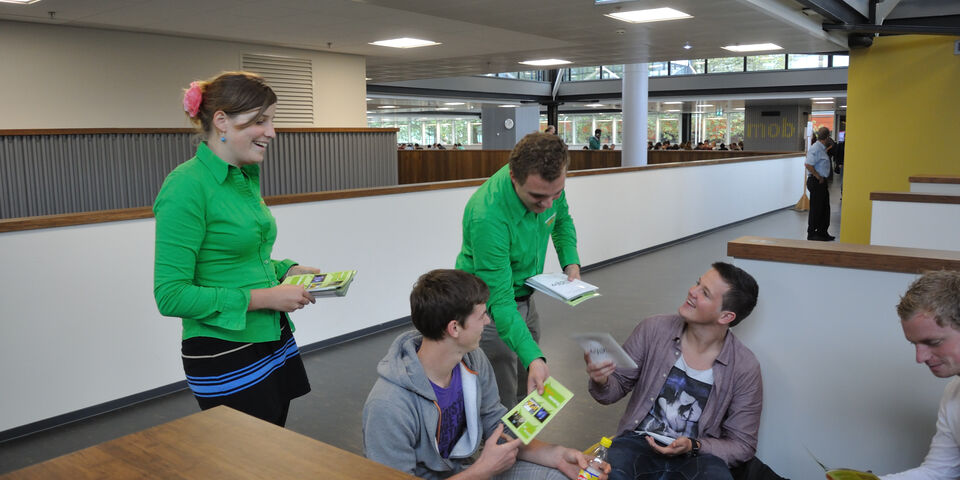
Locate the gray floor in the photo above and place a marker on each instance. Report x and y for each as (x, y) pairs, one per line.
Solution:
(342, 375)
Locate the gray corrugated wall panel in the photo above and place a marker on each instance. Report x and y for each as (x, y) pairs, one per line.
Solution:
(54, 174)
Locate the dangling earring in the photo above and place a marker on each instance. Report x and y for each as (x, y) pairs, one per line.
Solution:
(223, 137)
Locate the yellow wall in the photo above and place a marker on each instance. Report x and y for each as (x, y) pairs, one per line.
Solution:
(903, 119)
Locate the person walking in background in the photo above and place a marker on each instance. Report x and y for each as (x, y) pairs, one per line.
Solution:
(213, 265)
(818, 168)
(595, 140)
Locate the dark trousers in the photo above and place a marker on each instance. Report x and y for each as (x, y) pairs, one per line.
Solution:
(819, 219)
(632, 458)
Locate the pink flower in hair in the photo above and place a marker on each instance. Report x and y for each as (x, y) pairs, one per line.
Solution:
(192, 98)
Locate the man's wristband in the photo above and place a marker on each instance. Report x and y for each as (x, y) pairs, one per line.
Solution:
(695, 447)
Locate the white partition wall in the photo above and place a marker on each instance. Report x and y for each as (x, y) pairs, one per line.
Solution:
(839, 379)
(80, 326)
(915, 224)
(935, 188)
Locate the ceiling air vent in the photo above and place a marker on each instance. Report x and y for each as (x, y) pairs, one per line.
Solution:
(292, 80)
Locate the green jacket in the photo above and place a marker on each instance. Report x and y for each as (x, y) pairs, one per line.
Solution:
(214, 236)
(504, 244)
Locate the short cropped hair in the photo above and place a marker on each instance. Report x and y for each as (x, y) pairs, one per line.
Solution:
(544, 154)
(742, 295)
(443, 295)
(823, 133)
(937, 293)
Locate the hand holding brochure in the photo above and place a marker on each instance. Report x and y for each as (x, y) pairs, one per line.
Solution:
(842, 473)
(557, 286)
(602, 348)
(529, 417)
(324, 284)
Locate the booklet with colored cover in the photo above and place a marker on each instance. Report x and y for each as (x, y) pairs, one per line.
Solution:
(602, 348)
(843, 473)
(324, 284)
(557, 286)
(529, 417)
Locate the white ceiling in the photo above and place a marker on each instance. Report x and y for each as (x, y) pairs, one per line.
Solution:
(476, 36)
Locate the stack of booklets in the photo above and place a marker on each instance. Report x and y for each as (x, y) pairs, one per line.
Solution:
(324, 284)
(557, 286)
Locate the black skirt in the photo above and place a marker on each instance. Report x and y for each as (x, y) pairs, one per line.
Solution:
(259, 379)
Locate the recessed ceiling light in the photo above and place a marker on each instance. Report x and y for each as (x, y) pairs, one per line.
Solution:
(756, 47)
(443, 108)
(20, 2)
(594, 105)
(453, 103)
(843, 106)
(404, 43)
(387, 106)
(545, 62)
(822, 98)
(649, 15)
(830, 102)
(673, 103)
(687, 46)
(673, 110)
(507, 106)
(738, 108)
(705, 105)
(367, 78)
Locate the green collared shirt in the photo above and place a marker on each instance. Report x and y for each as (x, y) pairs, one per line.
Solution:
(504, 244)
(214, 235)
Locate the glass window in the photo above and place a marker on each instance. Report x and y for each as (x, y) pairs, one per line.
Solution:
(582, 128)
(612, 71)
(802, 60)
(529, 75)
(657, 69)
(727, 64)
(766, 62)
(686, 67)
(584, 73)
(445, 128)
(669, 127)
(736, 126)
(565, 129)
(841, 60)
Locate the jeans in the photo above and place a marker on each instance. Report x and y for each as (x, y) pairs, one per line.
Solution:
(632, 458)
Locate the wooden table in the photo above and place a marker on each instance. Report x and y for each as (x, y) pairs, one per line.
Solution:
(216, 443)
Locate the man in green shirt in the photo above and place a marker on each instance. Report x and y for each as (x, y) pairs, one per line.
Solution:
(595, 140)
(507, 224)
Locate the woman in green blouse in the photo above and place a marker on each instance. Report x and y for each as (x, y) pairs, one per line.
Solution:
(213, 269)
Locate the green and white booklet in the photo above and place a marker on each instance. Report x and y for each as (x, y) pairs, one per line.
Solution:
(557, 286)
(529, 417)
(324, 284)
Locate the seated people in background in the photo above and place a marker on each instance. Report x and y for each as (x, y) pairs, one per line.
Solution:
(930, 316)
(613, 146)
(734, 146)
(605, 147)
(595, 140)
(649, 145)
(551, 129)
(722, 146)
(657, 146)
(436, 399)
(697, 393)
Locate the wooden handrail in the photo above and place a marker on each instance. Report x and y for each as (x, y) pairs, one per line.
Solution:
(116, 131)
(935, 179)
(917, 197)
(69, 219)
(847, 255)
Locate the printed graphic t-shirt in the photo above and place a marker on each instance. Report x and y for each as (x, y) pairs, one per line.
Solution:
(676, 413)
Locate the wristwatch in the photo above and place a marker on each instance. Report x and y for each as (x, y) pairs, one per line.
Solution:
(695, 450)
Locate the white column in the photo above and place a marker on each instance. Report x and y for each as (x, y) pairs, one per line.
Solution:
(634, 107)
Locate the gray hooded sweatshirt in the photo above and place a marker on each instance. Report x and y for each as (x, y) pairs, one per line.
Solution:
(401, 416)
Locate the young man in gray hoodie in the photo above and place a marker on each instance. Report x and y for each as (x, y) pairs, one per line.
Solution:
(436, 399)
